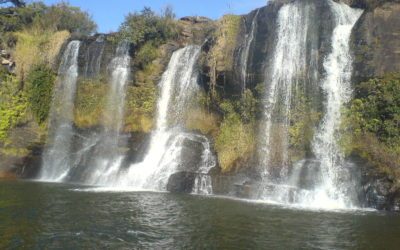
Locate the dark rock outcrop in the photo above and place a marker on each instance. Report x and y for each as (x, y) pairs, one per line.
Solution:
(367, 4)
(95, 55)
(376, 42)
(181, 182)
(195, 29)
(379, 190)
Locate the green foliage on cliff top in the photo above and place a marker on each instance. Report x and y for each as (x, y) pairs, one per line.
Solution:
(146, 25)
(63, 16)
(40, 82)
(16, 19)
(58, 17)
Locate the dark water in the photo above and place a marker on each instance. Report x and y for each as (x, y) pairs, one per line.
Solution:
(49, 216)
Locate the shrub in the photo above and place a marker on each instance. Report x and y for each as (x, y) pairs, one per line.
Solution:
(40, 82)
(377, 108)
(373, 119)
(147, 54)
(140, 107)
(13, 106)
(235, 142)
(90, 102)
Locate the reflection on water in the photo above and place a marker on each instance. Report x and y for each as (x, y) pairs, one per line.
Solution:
(38, 215)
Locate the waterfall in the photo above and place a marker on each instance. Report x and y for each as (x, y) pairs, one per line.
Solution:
(246, 52)
(165, 154)
(325, 180)
(56, 157)
(337, 87)
(93, 56)
(107, 158)
(202, 182)
(288, 62)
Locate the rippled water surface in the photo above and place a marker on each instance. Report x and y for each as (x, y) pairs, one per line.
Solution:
(42, 215)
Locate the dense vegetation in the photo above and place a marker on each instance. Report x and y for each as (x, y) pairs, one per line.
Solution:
(32, 35)
(374, 122)
(13, 105)
(39, 87)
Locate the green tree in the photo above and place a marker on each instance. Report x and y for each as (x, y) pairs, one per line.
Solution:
(63, 16)
(146, 25)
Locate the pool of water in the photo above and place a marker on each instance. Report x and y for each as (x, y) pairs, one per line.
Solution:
(44, 215)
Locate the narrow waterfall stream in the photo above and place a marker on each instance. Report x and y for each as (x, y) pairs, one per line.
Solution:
(338, 90)
(107, 159)
(56, 161)
(164, 157)
(288, 61)
(246, 51)
(331, 186)
(93, 57)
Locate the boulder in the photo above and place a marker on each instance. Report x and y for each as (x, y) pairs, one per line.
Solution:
(181, 182)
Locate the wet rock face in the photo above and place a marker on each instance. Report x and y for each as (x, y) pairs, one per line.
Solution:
(191, 155)
(95, 54)
(181, 182)
(377, 189)
(376, 42)
(261, 53)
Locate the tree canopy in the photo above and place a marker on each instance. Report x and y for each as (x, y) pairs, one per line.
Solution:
(18, 3)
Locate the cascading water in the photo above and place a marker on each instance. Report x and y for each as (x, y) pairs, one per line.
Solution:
(329, 186)
(164, 157)
(56, 157)
(93, 56)
(246, 51)
(337, 87)
(107, 159)
(203, 182)
(289, 61)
